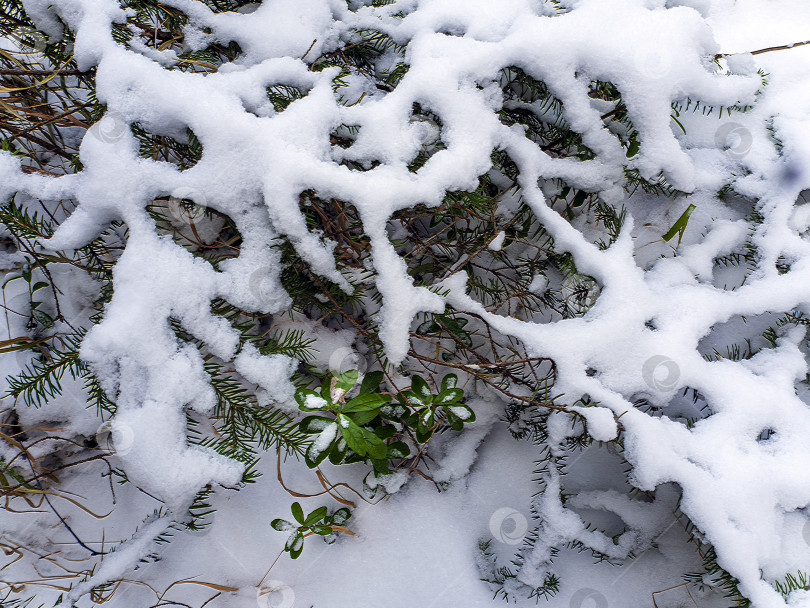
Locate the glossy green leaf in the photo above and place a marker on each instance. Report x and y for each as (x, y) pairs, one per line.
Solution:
(679, 227)
(385, 431)
(282, 525)
(347, 380)
(449, 381)
(341, 516)
(310, 401)
(366, 402)
(316, 516)
(398, 450)
(451, 395)
(297, 512)
(421, 389)
(371, 382)
(315, 424)
(322, 530)
(462, 412)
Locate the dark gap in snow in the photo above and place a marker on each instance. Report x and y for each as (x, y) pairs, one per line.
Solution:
(283, 95)
(742, 337)
(227, 6)
(183, 151)
(337, 222)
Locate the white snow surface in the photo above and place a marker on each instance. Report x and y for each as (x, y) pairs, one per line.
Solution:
(748, 497)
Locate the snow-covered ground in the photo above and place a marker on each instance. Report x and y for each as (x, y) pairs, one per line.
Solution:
(740, 474)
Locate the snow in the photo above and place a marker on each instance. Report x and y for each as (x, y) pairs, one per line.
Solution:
(747, 497)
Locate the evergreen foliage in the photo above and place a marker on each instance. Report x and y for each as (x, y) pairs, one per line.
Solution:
(353, 421)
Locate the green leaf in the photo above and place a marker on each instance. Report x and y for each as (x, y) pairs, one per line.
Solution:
(386, 431)
(44, 318)
(412, 421)
(413, 399)
(341, 516)
(366, 402)
(376, 446)
(371, 382)
(394, 412)
(449, 381)
(347, 380)
(313, 458)
(381, 466)
(314, 424)
(39, 285)
(298, 513)
(338, 452)
(632, 149)
(322, 530)
(423, 433)
(420, 388)
(398, 450)
(295, 544)
(304, 395)
(316, 516)
(451, 395)
(321, 446)
(352, 434)
(363, 418)
(462, 412)
(455, 424)
(579, 199)
(679, 227)
(282, 525)
(361, 441)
